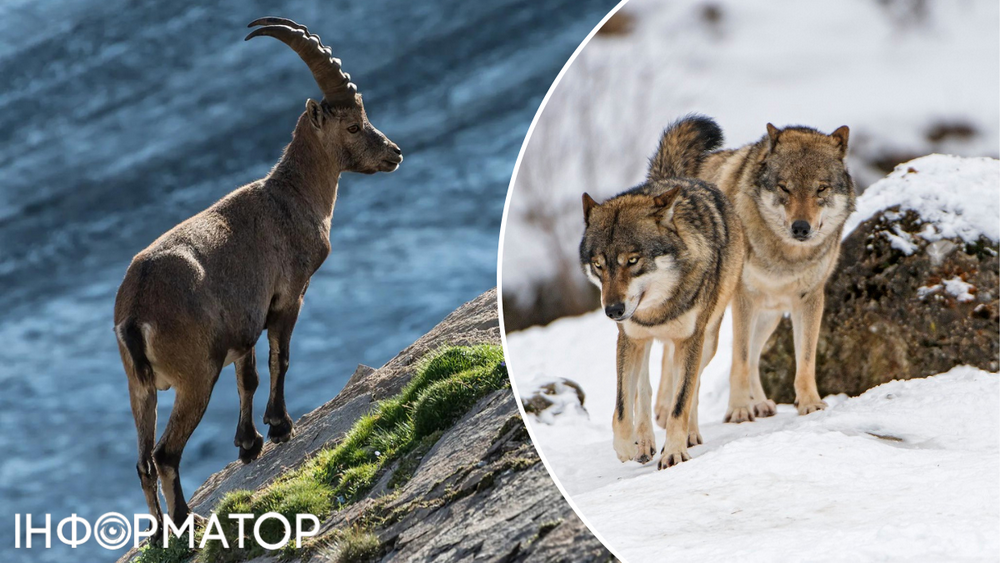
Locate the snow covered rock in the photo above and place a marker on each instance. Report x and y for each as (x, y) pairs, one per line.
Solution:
(548, 399)
(916, 289)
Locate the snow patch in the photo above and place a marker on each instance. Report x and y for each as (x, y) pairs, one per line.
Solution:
(959, 289)
(957, 198)
(900, 240)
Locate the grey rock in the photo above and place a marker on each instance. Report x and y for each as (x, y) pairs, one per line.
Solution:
(478, 493)
(888, 315)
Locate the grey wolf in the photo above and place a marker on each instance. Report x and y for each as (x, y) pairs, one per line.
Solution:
(667, 256)
(792, 192)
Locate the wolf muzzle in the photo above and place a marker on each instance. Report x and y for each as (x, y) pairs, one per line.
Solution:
(615, 311)
(801, 230)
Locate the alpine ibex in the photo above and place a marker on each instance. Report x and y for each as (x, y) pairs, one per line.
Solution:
(199, 297)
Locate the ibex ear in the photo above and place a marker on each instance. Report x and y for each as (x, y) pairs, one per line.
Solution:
(663, 205)
(588, 205)
(317, 115)
(840, 136)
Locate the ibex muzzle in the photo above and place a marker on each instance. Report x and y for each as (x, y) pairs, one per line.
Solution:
(199, 297)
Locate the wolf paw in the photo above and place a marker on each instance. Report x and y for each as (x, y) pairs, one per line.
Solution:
(694, 439)
(765, 409)
(740, 414)
(626, 448)
(810, 406)
(645, 446)
(673, 458)
(662, 415)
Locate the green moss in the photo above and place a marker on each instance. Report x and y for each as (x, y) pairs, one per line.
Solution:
(406, 426)
(178, 552)
(408, 464)
(354, 545)
(444, 402)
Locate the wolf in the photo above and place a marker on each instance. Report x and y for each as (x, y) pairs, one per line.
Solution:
(667, 256)
(792, 192)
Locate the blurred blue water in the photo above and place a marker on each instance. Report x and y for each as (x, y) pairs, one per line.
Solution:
(120, 119)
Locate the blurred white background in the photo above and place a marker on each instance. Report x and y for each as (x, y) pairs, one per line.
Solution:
(910, 77)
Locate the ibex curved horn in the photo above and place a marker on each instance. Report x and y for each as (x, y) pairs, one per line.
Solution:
(332, 80)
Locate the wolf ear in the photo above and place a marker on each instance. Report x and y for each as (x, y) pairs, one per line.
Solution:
(588, 205)
(840, 136)
(317, 115)
(772, 136)
(664, 206)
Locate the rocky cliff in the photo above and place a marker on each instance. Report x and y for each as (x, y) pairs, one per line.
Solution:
(478, 493)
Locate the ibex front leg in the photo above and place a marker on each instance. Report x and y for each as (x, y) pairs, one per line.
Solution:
(248, 440)
(279, 335)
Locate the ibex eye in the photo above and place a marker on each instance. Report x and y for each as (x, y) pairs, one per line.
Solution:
(353, 129)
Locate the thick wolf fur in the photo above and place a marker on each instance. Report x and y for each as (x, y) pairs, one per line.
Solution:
(667, 256)
(792, 192)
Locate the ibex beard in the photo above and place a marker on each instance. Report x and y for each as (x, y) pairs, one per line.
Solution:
(199, 297)
(667, 256)
(793, 193)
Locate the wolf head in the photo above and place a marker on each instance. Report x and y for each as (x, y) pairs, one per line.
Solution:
(631, 250)
(803, 189)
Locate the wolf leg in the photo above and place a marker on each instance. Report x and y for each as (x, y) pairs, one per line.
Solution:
(707, 353)
(767, 321)
(806, 319)
(630, 355)
(694, 435)
(688, 355)
(645, 440)
(740, 397)
(665, 393)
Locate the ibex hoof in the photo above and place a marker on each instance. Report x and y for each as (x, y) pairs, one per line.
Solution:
(280, 430)
(253, 452)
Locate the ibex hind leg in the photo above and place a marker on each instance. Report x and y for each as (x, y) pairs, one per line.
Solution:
(189, 406)
(143, 400)
(248, 440)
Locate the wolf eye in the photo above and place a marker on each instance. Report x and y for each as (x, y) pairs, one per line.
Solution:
(784, 188)
(353, 129)
(633, 261)
(822, 189)
(597, 266)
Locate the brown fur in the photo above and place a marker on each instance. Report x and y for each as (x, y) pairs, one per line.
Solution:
(199, 297)
(789, 178)
(667, 257)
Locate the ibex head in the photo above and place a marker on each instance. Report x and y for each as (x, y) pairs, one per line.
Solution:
(339, 121)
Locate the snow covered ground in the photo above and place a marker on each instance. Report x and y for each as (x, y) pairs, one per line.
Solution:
(906, 471)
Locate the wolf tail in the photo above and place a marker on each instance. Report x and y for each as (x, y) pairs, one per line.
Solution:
(684, 146)
(131, 338)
